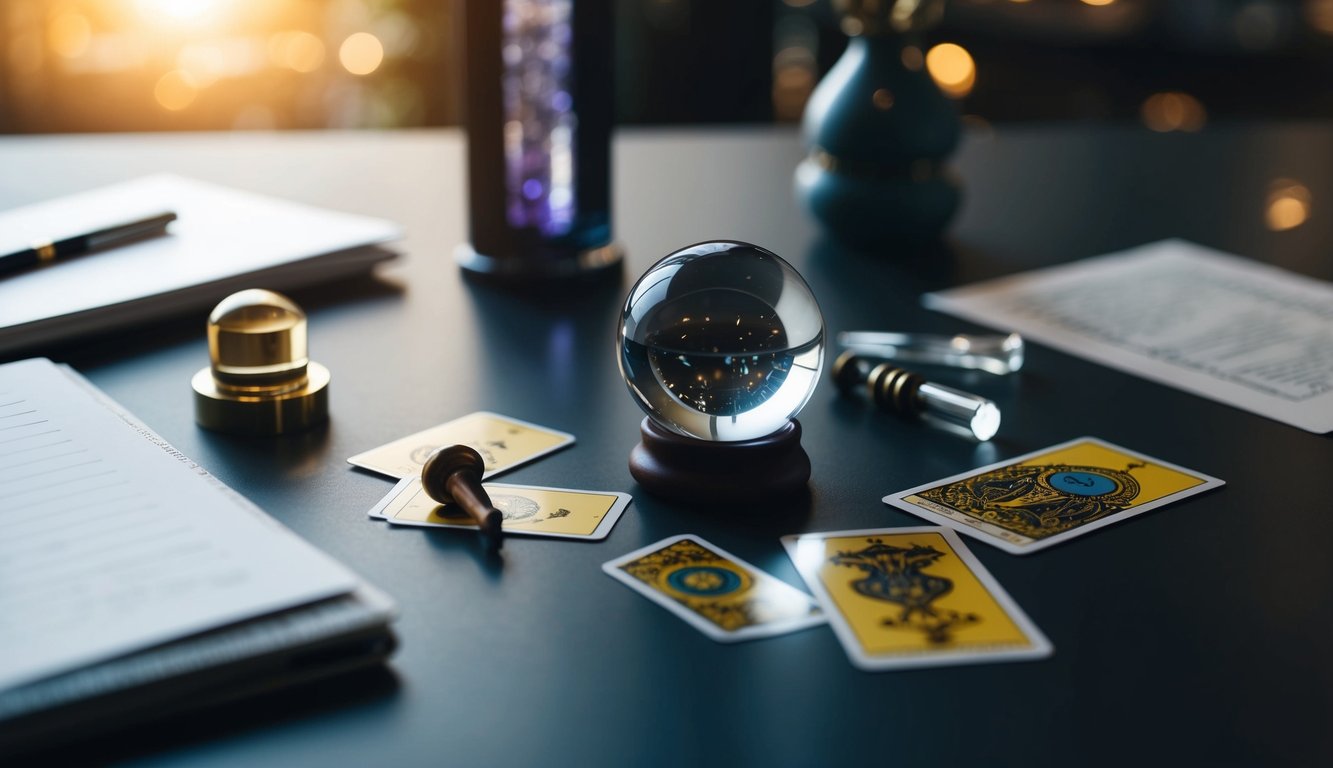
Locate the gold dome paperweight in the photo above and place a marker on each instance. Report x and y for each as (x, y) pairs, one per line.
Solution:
(260, 380)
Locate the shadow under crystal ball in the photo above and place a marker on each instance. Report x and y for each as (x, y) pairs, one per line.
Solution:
(722, 342)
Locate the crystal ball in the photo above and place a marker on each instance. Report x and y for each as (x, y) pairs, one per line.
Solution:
(721, 341)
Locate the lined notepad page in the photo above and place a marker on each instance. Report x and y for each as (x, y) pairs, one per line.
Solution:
(112, 541)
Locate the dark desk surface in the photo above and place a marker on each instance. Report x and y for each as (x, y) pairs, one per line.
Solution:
(1198, 633)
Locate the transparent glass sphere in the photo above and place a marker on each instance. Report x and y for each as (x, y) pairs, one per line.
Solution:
(721, 341)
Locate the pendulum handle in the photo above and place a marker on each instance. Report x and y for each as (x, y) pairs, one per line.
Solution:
(452, 475)
(895, 389)
(900, 391)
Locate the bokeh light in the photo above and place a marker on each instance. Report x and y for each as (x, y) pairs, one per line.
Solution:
(78, 65)
(296, 50)
(1174, 111)
(1288, 205)
(181, 11)
(175, 90)
(69, 34)
(952, 68)
(792, 85)
(208, 61)
(1319, 14)
(912, 58)
(361, 53)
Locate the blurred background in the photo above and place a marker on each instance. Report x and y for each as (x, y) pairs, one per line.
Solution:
(166, 65)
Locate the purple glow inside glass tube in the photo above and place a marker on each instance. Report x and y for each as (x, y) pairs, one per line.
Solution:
(539, 118)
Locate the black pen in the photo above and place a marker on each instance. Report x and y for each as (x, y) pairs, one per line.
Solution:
(88, 242)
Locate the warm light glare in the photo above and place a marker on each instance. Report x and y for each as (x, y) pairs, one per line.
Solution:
(1320, 15)
(1098, 2)
(978, 126)
(207, 62)
(69, 34)
(1174, 111)
(201, 64)
(177, 10)
(175, 90)
(792, 85)
(912, 58)
(952, 68)
(25, 53)
(297, 50)
(1288, 205)
(361, 53)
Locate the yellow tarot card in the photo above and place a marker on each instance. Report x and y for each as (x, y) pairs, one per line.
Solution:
(503, 442)
(912, 597)
(528, 510)
(1050, 496)
(714, 591)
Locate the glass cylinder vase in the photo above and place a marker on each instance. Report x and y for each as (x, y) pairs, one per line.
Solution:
(538, 119)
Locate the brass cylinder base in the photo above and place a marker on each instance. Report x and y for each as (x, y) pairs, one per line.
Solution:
(292, 411)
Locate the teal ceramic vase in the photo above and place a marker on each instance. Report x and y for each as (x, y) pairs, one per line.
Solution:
(879, 132)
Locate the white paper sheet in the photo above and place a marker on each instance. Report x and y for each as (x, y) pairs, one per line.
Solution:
(112, 541)
(1236, 331)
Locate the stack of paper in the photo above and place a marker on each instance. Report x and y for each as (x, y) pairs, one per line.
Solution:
(117, 549)
(222, 241)
(1230, 329)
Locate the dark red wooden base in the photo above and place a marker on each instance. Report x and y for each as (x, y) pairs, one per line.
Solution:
(686, 469)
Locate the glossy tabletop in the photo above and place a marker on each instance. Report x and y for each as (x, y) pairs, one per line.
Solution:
(1195, 634)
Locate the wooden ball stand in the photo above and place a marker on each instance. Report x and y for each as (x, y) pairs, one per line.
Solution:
(452, 475)
(687, 469)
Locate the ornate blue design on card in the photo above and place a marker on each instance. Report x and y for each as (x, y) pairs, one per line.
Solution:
(704, 581)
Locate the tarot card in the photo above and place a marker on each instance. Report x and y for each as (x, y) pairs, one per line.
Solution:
(503, 442)
(718, 594)
(528, 510)
(912, 597)
(1044, 498)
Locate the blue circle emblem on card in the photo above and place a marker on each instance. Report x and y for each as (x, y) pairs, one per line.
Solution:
(1082, 483)
(704, 581)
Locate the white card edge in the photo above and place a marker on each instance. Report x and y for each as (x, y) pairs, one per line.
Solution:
(899, 501)
(600, 533)
(356, 460)
(1041, 645)
(377, 511)
(612, 569)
